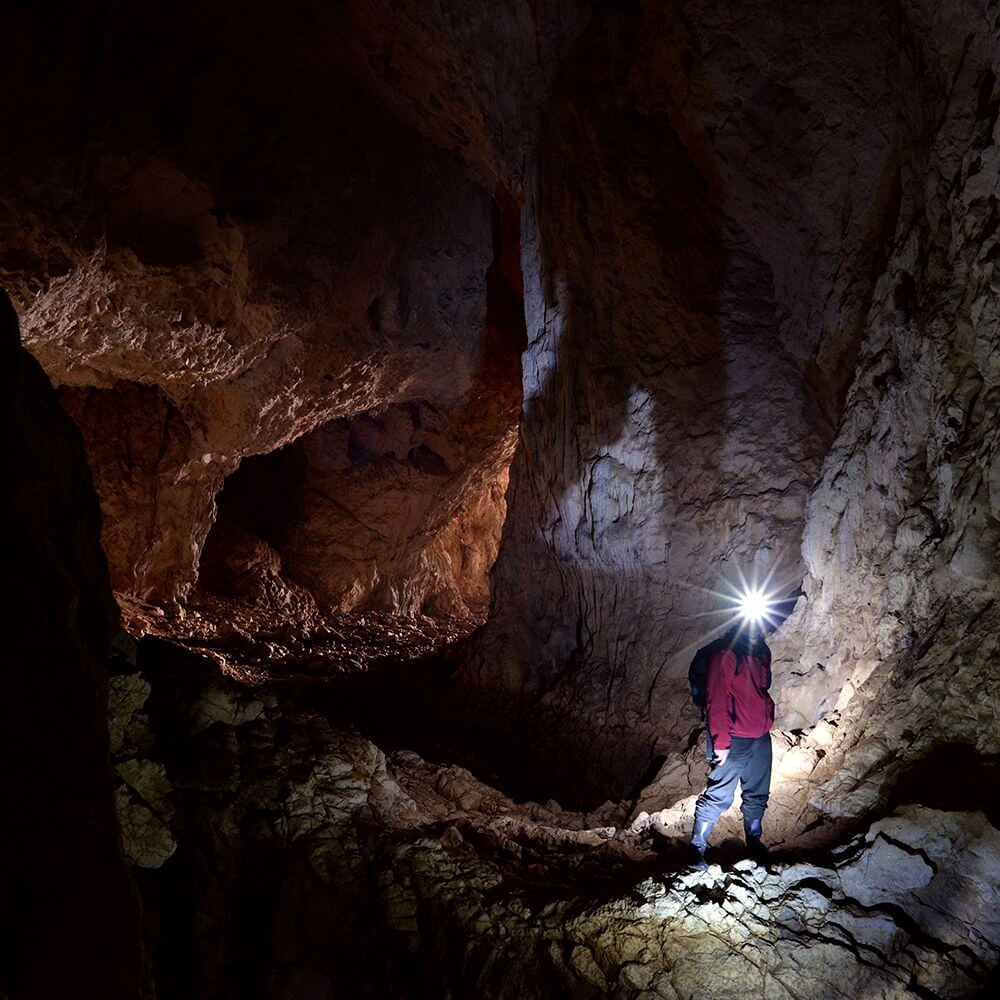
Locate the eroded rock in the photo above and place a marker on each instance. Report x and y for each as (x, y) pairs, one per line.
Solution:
(423, 864)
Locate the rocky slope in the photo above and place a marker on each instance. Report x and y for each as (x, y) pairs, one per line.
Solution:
(314, 865)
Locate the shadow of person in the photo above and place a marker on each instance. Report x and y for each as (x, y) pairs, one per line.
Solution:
(625, 260)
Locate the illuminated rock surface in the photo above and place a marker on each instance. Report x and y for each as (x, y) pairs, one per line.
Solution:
(445, 885)
(712, 287)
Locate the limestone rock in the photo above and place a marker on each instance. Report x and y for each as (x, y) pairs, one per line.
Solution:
(687, 324)
(210, 330)
(143, 792)
(423, 862)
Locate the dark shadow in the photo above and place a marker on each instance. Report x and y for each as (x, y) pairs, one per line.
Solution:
(260, 496)
(951, 777)
(632, 260)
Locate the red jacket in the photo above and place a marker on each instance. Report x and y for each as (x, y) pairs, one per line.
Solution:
(736, 700)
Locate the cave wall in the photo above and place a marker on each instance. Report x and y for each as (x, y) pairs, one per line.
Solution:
(713, 221)
(227, 271)
(760, 295)
(69, 912)
(896, 645)
(393, 511)
(311, 330)
(903, 525)
(703, 235)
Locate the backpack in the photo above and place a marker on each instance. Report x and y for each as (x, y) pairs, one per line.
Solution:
(698, 675)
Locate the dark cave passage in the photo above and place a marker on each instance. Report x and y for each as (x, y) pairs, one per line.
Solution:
(390, 390)
(259, 498)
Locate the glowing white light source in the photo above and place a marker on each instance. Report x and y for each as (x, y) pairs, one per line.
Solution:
(754, 605)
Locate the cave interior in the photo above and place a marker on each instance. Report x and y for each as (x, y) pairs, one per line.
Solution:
(396, 395)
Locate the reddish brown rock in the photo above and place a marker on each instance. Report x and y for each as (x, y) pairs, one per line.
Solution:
(250, 291)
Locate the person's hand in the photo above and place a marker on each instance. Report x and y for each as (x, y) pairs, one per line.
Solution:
(720, 757)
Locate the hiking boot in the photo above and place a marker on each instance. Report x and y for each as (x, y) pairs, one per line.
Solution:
(696, 858)
(756, 851)
(699, 843)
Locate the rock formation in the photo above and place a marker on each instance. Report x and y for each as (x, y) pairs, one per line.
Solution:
(68, 910)
(687, 323)
(387, 323)
(244, 280)
(319, 866)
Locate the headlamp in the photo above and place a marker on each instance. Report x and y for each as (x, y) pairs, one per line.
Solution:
(754, 605)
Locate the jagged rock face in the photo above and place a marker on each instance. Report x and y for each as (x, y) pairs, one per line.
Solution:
(720, 226)
(399, 510)
(215, 386)
(226, 286)
(67, 905)
(386, 511)
(903, 526)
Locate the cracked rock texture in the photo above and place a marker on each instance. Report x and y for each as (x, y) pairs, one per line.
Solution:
(903, 526)
(406, 513)
(318, 866)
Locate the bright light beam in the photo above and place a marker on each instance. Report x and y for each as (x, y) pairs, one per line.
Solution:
(754, 605)
(750, 604)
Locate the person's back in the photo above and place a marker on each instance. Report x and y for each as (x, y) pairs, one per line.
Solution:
(739, 715)
(737, 702)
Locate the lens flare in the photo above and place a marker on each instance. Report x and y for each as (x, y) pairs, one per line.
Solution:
(749, 603)
(754, 605)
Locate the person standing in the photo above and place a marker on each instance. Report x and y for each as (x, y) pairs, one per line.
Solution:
(739, 715)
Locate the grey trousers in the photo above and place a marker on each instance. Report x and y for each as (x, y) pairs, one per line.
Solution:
(749, 765)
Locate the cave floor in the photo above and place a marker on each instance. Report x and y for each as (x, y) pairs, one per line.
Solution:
(351, 756)
(389, 676)
(350, 810)
(406, 705)
(392, 678)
